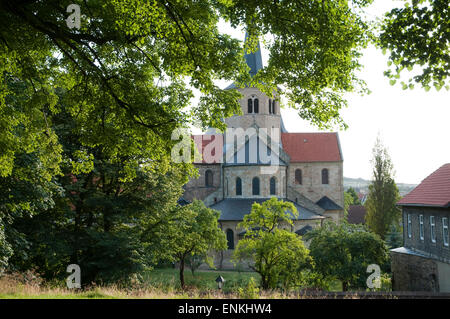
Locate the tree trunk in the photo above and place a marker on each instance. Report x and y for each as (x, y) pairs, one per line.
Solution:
(344, 286)
(182, 272)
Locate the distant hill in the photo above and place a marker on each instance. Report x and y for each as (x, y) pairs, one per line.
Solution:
(362, 185)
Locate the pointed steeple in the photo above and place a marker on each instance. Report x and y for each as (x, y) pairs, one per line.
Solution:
(254, 59)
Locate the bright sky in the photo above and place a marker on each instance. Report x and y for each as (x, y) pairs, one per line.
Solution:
(413, 124)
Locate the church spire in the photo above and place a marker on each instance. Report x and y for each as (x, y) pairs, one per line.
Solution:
(254, 59)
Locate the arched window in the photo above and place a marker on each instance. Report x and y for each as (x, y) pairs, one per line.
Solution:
(238, 186)
(273, 107)
(255, 186)
(325, 176)
(250, 106)
(230, 239)
(298, 176)
(270, 106)
(208, 178)
(256, 105)
(273, 186)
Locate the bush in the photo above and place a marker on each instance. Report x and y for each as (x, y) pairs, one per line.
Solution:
(251, 291)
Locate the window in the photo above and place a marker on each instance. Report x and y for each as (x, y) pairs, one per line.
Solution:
(250, 106)
(325, 176)
(271, 106)
(255, 186)
(238, 186)
(256, 105)
(208, 178)
(433, 229)
(298, 176)
(273, 183)
(409, 227)
(421, 226)
(230, 239)
(445, 230)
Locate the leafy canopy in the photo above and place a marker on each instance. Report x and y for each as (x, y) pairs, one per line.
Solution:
(133, 65)
(417, 35)
(277, 254)
(344, 251)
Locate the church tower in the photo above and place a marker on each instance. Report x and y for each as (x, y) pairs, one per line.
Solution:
(259, 110)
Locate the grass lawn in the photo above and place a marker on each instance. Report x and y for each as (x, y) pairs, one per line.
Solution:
(168, 279)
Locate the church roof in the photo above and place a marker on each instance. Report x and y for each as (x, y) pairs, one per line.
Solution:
(236, 208)
(301, 147)
(312, 147)
(254, 59)
(328, 204)
(433, 191)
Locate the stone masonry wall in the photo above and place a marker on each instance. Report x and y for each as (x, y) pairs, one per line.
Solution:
(247, 173)
(196, 188)
(413, 273)
(312, 186)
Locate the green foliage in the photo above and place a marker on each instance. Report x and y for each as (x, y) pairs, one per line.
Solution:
(344, 251)
(417, 36)
(394, 237)
(251, 291)
(278, 255)
(195, 261)
(354, 196)
(193, 231)
(383, 195)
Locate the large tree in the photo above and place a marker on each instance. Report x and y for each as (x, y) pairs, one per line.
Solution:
(130, 61)
(276, 253)
(382, 211)
(344, 251)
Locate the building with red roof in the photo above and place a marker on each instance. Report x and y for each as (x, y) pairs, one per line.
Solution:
(423, 263)
(257, 158)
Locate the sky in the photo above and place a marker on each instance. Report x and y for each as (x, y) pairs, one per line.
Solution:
(414, 125)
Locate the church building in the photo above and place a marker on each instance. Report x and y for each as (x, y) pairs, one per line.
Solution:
(303, 168)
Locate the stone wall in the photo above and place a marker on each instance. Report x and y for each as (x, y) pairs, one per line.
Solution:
(247, 173)
(262, 119)
(196, 187)
(312, 186)
(413, 273)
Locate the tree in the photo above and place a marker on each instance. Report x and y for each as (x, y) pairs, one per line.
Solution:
(92, 216)
(354, 196)
(128, 65)
(344, 251)
(277, 254)
(383, 195)
(417, 35)
(194, 231)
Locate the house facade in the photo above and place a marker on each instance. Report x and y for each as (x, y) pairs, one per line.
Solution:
(423, 263)
(257, 158)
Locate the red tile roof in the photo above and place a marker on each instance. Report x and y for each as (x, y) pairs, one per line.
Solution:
(356, 214)
(312, 147)
(433, 191)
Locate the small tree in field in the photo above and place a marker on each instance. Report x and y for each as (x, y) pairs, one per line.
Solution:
(194, 232)
(344, 251)
(277, 254)
(381, 207)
